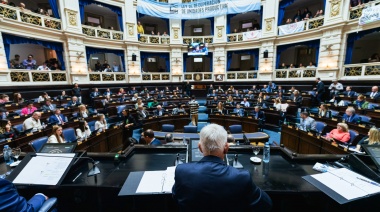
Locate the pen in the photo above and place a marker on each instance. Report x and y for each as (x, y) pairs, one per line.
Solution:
(368, 181)
(77, 176)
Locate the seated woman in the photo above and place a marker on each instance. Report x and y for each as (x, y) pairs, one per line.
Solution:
(220, 108)
(372, 138)
(83, 112)
(361, 103)
(340, 133)
(135, 97)
(324, 111)
(101, 123)
(43, 97)
(83, 131)
(17, 98)
(230, 100)
(139, 103)
(7, 132)
(121, 92)
(277, 103)
(56, 135)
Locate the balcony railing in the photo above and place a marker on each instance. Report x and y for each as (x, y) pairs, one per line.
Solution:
(107, 77)
(29, 17)
(356, 12)
(156, 76)
(244, 36)
(241, 75)
(312, 23)
(156, 39)
(362, 70)
(198, 76)
(102, 33)
(197, 39)
(295, 73)
(37, 76)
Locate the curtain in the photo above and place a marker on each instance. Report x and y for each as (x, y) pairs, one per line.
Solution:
(210, 55)
(54, 8)
(212, 24)
(311, 44)
(228, 28)
(254, 52)
(281, 11)
(185, 56)
(351, 38)
(12, 39)
(166, 56)
(92, 50)
(167, 25)
(117, 10)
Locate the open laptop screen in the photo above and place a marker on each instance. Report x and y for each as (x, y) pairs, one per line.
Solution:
(58, 148)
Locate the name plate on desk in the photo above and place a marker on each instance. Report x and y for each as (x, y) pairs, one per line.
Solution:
(166, 115)
(362, 125)
(311, 134)
(61, 108)
(249, 117)
(16, 117)
(289, 100)
(94, 116)
(377, 110)
(334, 119)
(311, 115)
(270, 108)
(76, 120)
(150, 117)
(29, 134)
(7, 105)
(232, 114)
(334, 144)
(217, 114)
(291, 127)
(115, 127)
(97, 133)
(341, 95)
(328, 105)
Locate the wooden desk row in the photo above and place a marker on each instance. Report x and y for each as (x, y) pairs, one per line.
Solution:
(302, 142)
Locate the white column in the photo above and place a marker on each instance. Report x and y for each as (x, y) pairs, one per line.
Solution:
(76, 61)
(70, 16)
(336, 11)
(270, 18)
(133, 67)
(130, 20)
(219, 29)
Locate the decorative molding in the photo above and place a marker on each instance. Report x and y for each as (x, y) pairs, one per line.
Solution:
(131, 27)
(335, 8)
(175, 32)
(269, 24)
(71, 17)
(220, 31)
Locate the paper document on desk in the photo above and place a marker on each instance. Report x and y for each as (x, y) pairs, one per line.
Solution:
(42, 170)
(157, 181)
(348, 184)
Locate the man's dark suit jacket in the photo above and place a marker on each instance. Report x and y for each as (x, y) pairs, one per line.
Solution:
(211, 185)
(46, 108)
(54, 120)
(10, 200)
(320, 87)
(260, 115)
(355, 118)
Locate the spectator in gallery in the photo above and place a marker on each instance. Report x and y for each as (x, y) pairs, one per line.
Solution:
(305, 12)
(107, 69)
(4, 1)
(55, 66)
(115, 67)
(311, 65)
(374, 58)
(283, 66)
(152, 33)
(236, 31)
(319, 13)
(140, 28)
(105, 65)
(15, 62)
(165, 34)
(43, 67)
(22, 6)
(289, 21)
(298, 15)
(354, 3)
(98, 66)
(307, 17)
(29, 63)
(292, 66)
(296, 20)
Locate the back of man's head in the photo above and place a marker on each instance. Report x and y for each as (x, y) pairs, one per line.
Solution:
(230, 138)
(213, 139)
(149, 133)
(169, 138)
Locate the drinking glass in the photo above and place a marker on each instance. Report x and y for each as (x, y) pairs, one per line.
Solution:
(256, 150)
(16, 152)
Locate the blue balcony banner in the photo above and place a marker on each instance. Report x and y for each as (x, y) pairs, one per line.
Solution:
(196, 10)
(369, 15)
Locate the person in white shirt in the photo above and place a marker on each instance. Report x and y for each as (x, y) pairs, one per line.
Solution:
(375, 93)
(311, 65)
(56, 135)
(101, 123)
(277, 104)
(43, 97)
(33, 122)
(43, 68)
(83, 131)
(245, 102)
(335, 88)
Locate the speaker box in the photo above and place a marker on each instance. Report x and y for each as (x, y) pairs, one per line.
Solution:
(266, 54)
(134, 58)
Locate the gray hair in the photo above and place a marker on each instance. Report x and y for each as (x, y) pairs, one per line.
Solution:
(350, 109)
(213, 137)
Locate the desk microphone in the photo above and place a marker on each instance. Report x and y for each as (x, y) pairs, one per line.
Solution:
(177, 160)
(93, 171)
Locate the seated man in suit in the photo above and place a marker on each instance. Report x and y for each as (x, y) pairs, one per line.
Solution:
(271, 86)
(141, 113)
(213, 93)
(159, 111)
(10, 200)
(204, 185)
(148, 136)
(74, 102)
(95, 93)
(260, 115)
(214, 101)
(48, 106)
(349, 92)
(57, 118)
(239, 111)
(133, 91)
(254, 89)
(249, 95)
(245, 102)
(161, 95)
(280, 89)
(375, 93)
(107, 92)
(350, 116)
(307, 123)
(264, 89)
(296, 98)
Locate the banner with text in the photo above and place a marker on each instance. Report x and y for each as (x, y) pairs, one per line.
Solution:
(251, 35)
(291, 28)
(196, 10)
(369, 15)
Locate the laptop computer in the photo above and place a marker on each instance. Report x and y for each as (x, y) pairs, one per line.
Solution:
(58, 148)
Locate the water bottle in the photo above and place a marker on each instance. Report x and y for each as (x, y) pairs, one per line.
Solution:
(266, 153)
(299, 112)
(7, 152)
